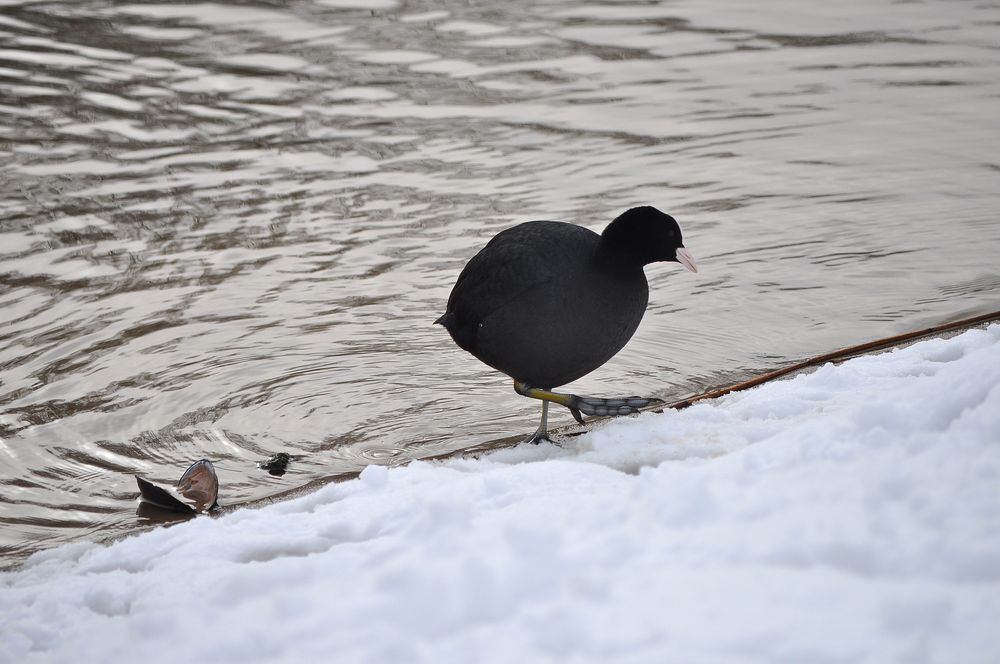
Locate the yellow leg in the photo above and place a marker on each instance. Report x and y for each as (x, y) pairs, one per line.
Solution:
(588, 405)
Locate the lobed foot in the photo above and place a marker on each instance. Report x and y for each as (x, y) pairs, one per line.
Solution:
(538, 438)
(579, 406)
(609, 407)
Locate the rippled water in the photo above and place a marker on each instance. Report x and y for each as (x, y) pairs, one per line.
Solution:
(226, 228)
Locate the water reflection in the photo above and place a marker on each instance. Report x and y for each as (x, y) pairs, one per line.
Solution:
(226, 229)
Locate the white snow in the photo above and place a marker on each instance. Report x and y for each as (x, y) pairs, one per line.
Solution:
(847, 515)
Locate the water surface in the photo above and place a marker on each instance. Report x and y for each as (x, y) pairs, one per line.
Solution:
(225, 229)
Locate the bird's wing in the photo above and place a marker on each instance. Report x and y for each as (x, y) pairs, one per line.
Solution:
(511, 264)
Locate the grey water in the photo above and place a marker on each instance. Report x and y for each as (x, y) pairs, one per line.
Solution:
(226, 228)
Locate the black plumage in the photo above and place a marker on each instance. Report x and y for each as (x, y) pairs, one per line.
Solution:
(547, 302)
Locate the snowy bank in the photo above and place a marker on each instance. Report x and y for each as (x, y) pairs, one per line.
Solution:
(847, 515)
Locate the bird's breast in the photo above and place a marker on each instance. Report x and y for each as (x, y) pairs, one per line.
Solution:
(564, 329)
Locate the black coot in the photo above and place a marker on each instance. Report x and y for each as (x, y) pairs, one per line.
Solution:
(547, 302)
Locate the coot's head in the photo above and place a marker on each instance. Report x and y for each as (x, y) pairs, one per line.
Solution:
(644, 235)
